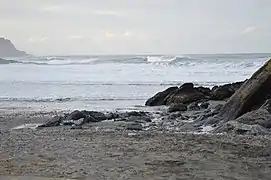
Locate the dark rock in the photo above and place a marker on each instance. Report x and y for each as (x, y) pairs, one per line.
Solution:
(187, 86)
(212, 120)
(159, 98)
(208, 116)
(225, 91)
(141, 119)
(252, 94)
(136, 113)
(76, 127)
(267, 105)
(75, 115)
(88, 116)
(177, 107)
(204, 105)
(217, 108)
(222, 92)
(55, 121)
(134, 116)
(184, 95)
(193, 107)
(111, 115)
(175, 115)
(91, 119)
(96, 115)
(134, 126)
(205, 91)
(240, 128)
(261, 116)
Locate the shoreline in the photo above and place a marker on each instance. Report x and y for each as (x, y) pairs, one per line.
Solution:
(60, 152)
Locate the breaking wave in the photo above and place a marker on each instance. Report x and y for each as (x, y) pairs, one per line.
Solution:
(66, 99)
(103, 60)
(192, 60)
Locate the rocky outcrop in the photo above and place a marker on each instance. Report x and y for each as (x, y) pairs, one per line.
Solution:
(224, 91)
(177, 107)
(250, 96)
(254, 122)
(79, 118)
(159, 98)
(7, 49)
(187, 94)
(183, 95)
(55, 121)
(234, 127)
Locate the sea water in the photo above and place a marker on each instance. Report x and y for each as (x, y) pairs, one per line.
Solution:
(113, 82)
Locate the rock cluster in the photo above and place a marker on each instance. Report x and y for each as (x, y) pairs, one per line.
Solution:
(77, 119)
(247, 109)
(187, 94)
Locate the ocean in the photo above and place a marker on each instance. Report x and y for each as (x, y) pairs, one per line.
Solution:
(64, 83)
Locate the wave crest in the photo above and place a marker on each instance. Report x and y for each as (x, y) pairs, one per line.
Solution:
(66, 99)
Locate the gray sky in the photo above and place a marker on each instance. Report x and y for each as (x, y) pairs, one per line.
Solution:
(137, 26)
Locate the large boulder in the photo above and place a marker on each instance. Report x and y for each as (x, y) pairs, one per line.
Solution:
(185, 94)
(159, 98)
(250, 96)
(261, 116)
(75, 115)
(225, 91)
(55, 121)
(89, 116)
(177, 108)
(235, 127)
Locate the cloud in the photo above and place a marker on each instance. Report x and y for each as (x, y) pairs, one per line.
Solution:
(76, 37)
(51, 9)
(37, 39)
(110, 34)
(249, 30)
(107, 13)
(80, 38)
(127, 33)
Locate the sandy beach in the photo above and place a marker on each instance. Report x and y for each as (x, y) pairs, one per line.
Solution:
(97, 153)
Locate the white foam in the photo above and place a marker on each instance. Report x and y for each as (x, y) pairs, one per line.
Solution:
(207, 129)
(154, 59)
(26, 126)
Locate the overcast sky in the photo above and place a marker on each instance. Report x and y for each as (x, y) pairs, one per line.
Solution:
(137, 26)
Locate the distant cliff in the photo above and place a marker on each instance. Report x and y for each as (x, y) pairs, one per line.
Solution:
(7, 49)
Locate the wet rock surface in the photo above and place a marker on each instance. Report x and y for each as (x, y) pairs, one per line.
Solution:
(225, 91)
(177, 107)
(188, 93)
(236, 127)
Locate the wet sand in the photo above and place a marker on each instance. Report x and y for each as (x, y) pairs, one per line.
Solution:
(97, 153)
